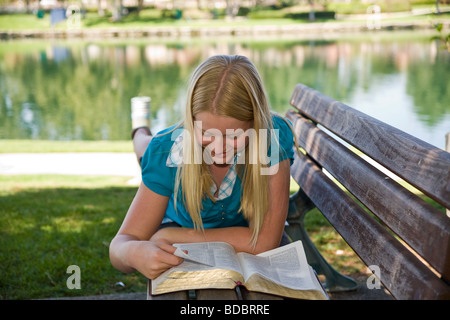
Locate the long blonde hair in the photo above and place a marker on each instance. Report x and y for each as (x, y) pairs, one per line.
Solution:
(226, 86)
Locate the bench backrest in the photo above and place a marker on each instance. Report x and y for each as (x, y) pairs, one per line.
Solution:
(409, 240)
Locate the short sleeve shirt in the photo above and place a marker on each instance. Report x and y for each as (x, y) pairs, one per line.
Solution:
(159, 170)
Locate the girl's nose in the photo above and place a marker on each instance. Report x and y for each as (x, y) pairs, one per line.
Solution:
(219, 144)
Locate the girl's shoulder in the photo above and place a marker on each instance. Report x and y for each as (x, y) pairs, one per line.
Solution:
(164, 139)
(280, 122)
(285, 138)
(156, 174)
(285, 130)
(160, 147)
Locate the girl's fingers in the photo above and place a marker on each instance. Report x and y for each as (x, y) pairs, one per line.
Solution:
(167, 255)
(163, 259)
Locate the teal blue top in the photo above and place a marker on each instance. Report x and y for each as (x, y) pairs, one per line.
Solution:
(159, 172)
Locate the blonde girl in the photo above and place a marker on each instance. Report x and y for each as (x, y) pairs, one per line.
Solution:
(222, 174)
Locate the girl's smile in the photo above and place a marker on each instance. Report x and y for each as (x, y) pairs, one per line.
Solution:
(221, 136)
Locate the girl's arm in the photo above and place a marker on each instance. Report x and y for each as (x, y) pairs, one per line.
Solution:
(239, 237)
(131, 249)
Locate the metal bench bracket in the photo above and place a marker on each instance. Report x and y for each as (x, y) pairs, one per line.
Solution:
(299, 205)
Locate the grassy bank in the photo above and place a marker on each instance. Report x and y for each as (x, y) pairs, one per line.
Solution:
(151, 18)
(46, 146)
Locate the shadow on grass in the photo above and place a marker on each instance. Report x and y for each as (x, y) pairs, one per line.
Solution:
(43, 231)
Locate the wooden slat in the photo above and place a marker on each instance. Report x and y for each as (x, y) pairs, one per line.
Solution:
(216, 294)
(421, 164)
(179, 295)
(401, 272)
(419, 224)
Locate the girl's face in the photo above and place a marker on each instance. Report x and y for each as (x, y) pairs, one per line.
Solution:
(221, 137)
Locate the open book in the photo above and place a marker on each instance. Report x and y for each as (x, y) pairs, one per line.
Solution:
(283, 271)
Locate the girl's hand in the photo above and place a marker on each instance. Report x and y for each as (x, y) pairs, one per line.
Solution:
(152, 258)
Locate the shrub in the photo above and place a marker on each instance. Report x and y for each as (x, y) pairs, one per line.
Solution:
(325, 15)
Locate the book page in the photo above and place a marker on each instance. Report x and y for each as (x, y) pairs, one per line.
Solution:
(286, 265)
(259, 283)
(215, 254)
(201, 259)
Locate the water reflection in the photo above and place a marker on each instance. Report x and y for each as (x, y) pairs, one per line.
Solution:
(82, 90)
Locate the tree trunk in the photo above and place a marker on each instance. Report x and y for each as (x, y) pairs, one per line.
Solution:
(117, 10)
(140, 6)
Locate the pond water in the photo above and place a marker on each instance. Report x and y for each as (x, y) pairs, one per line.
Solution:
(81, 90)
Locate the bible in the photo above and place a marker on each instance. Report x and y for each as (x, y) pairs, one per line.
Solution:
(283, 271)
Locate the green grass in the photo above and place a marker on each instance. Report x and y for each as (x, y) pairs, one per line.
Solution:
(23, 22)
(19, 22)
(48, 223)
(44, 146)
(152, 18)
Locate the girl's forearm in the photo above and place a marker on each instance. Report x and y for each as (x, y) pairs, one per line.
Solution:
(119, 252)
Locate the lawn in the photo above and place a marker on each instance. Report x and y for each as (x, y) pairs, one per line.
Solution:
(15, 22)
(49, 222)
(44, 146)
(152, 18)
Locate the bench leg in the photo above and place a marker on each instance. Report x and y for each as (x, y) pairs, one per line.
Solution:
(299, 205)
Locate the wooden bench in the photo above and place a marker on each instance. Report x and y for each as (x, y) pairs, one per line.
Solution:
(239, 293)
(387, 225)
